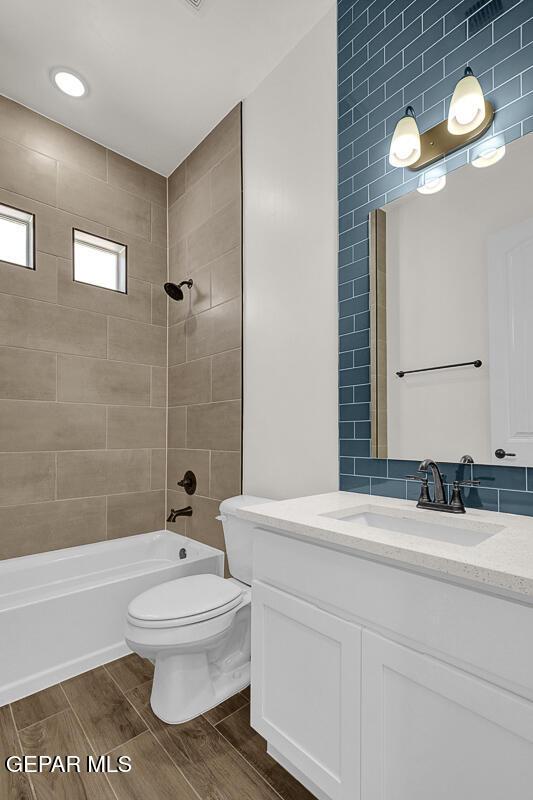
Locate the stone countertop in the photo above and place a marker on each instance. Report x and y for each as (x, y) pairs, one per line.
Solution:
(502, 563)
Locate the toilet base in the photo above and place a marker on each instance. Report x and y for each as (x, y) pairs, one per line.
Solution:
(184, 686)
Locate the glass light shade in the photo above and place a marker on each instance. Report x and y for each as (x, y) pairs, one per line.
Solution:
(69, 83)
(405, 145)
(431, 185)
(489, 157)
(467, 109)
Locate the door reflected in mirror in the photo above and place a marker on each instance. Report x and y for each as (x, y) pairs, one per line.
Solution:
(451, 297)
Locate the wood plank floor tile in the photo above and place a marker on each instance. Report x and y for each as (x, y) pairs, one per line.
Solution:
(13, 785)
(38, 706)
(236, 728)
(210, 764)
(130, 671)
(62, 735)
(153, 775)
(246, 693)
(226, 708)
(105, 714)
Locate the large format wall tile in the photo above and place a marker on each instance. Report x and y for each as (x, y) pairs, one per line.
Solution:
(39, 283)
(134, 304)
(53, 407)
(226, 277)
(224, 138)
(43, 326)
(226, 371)
(28, 173)
(28, 426)
(205, 336)
(179, 461)
(94, 199)
(190, 383)
(221, 233)
(93, 380)
(226, 180)
(30, 129)
(136, 179)
(146, 260)
(87, 474)
(39, 527)
(215, 426)
(26, 478)
(27, 374)
(215, 331)
(225, 476)
(136, 342)
(135, 427)
(128, 514)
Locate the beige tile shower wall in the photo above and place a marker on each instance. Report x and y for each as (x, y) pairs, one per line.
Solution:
(205, 330)
(82, 369)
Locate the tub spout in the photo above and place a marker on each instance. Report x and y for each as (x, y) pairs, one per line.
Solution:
(180, 512)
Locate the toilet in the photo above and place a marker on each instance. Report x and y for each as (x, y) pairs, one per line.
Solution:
(196, 630)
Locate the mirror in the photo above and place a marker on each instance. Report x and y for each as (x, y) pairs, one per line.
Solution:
(451, 297)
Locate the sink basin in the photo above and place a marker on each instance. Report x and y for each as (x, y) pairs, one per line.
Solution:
(386, 520)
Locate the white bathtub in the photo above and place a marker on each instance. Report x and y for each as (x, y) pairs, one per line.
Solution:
(62, 613)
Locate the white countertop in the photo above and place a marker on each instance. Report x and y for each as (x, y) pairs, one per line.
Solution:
(502, 563)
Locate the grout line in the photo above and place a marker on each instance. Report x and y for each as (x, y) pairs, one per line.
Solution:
(240, 708)
(21, 750)
(250, 765)
(154, 734)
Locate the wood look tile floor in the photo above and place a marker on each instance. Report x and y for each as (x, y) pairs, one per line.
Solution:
(216, 756)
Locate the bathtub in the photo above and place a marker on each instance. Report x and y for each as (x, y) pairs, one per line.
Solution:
(62, 613)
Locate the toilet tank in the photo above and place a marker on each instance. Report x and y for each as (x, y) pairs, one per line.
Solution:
(238, 535)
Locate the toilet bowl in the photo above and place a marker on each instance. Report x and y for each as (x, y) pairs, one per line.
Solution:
(196, 629)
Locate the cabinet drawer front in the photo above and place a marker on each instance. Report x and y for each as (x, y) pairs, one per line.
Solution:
(432, 731)
(478, 632)
(306, 674)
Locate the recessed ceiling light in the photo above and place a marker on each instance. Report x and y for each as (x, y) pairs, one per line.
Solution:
(69, 83)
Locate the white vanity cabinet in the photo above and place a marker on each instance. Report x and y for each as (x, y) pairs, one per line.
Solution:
(431, 731)
(370, 682)
(307, 679)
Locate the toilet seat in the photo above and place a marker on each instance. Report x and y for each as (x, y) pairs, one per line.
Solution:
(184, 601)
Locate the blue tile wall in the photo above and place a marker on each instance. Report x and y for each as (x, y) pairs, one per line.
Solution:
(394, 53)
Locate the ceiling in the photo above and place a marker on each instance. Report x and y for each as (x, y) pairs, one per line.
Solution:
(161, 73)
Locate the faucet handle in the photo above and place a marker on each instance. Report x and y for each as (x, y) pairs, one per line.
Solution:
(466, 483)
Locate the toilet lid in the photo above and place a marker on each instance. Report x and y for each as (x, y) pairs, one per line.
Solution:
(185, 597)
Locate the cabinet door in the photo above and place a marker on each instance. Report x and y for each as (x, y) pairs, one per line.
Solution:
(306, 678)
(432, 731)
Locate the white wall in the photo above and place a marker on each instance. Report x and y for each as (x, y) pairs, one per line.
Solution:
(290, 412)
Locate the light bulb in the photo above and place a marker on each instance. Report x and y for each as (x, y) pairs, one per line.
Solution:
(467, 109)
(431, 185)
(68, 83)
(405, 144)
(489, 157)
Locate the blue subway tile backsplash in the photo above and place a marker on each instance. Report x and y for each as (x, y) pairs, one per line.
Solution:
(392, 53)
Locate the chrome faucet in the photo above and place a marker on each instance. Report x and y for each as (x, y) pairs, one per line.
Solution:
(439, 501)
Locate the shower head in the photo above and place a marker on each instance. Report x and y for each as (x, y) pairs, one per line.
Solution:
(175, 291)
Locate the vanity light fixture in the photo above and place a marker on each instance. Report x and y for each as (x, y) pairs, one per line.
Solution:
(489, 157)
(467, 109)
(431, 184)
(68, 82)
(470, 116)
(405, 145)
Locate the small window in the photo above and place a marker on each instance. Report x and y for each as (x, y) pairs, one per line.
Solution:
(16, 237)
(99, 262)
